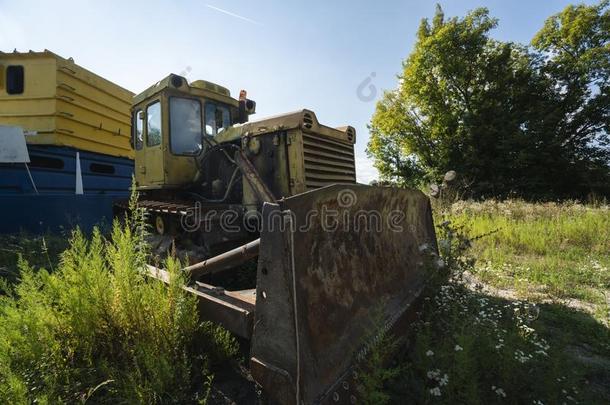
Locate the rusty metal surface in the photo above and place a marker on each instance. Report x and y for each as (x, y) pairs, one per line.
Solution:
(184, 208)
(229, 310)
(159, 206)
(224, 260)
(273, 348)
(348, 280)
(234, 310)
(252, 177)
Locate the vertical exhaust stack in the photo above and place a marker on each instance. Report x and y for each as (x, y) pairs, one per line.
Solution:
(247, 107)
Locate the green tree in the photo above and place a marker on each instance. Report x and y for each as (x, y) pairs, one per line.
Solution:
(485, 108)
(575, 47)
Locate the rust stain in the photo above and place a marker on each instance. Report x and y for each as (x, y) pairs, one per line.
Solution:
(356, 269)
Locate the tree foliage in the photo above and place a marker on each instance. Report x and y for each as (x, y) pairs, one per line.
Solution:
(512, 119)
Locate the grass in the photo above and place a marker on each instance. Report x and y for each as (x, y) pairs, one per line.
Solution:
(96, 329)
(526, 322)
(542, 251)
(38, 250)
(522, 318)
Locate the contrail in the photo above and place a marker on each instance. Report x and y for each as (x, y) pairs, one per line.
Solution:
(220, 10)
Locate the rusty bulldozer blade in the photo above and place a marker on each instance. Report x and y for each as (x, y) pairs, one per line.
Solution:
(345, 255)
(334, 264)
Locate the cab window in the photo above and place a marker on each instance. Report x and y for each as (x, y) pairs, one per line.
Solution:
(138, 129)
(185, 126)
(153, 124)
(15, 79)
(217, 118)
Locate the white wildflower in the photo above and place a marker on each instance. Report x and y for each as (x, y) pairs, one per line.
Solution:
(429, 353)
(522, 357)
(458, 348)
(444, 381)
(499, 391)
(436, 392)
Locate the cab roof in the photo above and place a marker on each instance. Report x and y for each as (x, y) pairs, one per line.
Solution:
(201, 88)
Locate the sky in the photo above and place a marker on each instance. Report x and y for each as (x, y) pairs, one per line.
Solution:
(333, 57)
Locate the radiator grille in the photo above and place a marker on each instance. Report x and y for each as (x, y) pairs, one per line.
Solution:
(327, 162)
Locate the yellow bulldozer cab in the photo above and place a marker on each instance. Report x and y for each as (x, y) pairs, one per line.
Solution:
(169, 122)
(174, 122)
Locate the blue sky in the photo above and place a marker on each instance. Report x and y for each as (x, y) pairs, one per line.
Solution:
(288, 55)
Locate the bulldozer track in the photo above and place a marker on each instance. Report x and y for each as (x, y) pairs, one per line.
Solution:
(165, 207)
(181, 208)
(159, 206)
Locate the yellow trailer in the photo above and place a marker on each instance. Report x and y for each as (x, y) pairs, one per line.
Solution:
(60, 103)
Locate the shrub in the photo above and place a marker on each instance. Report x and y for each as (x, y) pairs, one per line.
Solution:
(98, 329)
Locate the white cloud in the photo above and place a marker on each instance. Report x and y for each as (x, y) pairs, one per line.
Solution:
(365, 172)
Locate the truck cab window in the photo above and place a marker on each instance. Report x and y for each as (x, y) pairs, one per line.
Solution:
(15, 79)
(217, 118)
(153, 127)
(138, 129)
(185, 126)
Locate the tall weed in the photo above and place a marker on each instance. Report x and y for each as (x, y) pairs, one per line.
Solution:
(97, 329)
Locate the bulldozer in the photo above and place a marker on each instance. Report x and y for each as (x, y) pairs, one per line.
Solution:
(333, 263)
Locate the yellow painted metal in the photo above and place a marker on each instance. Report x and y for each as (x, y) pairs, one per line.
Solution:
(66, 105)
(316, 155)
(155, 155)
(157, 167)
(179, 86)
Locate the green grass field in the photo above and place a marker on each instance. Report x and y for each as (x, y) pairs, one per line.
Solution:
(526, 321)
(542, 252)
(524, 318)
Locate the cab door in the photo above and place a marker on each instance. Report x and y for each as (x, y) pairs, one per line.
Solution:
(137, 141)
(153, 147)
